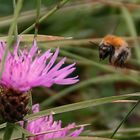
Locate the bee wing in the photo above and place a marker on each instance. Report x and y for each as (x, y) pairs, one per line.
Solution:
(95, 44)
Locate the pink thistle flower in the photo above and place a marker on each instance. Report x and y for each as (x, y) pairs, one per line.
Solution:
(25, 69)
(47, 124)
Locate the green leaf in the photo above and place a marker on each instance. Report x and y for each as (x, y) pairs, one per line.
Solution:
(2, 125)
(8, 131)
(80, 105)
(21, 129)
(15, 131)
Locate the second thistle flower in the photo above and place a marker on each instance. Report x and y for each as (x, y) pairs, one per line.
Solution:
(25, 69)
(45, 128)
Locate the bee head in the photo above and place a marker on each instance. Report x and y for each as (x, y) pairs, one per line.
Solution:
(105, 51)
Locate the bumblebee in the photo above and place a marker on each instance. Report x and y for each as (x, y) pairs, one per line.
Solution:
(116, 49)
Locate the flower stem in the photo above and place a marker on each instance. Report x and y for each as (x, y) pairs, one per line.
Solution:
(128, 114)
(57, 7)
(38, 3)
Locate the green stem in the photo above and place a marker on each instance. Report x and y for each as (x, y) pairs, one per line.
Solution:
(57, 7)
(10, 33)
(38, 3)
(16, 27)
(14, 23)
(30, 103)
(8, 131)
(128, 114)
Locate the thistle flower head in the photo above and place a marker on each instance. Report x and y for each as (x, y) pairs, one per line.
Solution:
(25, 69)
(46, 128)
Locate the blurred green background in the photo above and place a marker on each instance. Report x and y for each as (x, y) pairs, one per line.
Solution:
(86, 19)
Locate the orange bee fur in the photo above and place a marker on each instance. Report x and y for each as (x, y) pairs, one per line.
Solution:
(115, 41)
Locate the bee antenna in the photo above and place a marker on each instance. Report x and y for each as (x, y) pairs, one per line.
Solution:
(115, 27)
(93, 43)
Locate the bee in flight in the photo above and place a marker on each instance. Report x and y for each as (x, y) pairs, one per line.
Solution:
(116, 49)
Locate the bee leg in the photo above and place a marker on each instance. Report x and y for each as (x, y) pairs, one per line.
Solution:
(121, 58)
